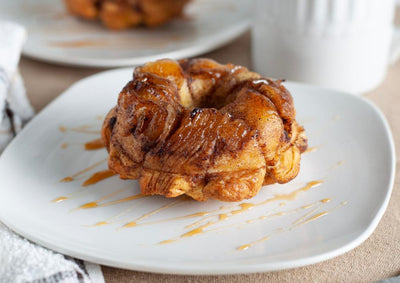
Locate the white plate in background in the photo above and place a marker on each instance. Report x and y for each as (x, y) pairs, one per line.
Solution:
(56, 36)
(353, 156)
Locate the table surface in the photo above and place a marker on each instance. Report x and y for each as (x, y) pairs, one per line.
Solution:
(377, 258)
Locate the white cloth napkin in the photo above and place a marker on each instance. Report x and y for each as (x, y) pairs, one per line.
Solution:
(15, 109)
(21, 260)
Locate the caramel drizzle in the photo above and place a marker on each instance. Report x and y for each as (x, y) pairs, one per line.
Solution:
(59, 199)
(81, 129)
(311, 149)
(151, 213)
(293, 195)
(72, 195)
(308, 214)
(69, 196)
(267, 216)
(318, 215)
(210, 215)
(77, 43)
(307, 218)
(98, 176)
(193, 215)
(93, 204)
(98, 203)
(130, 198)
(89, 146)
(200, 229)
(67, 144)
(286, 212)
(72, 177)
(201, 226)
(109, 220)
(223, 216)
(246, 206)
(94, 144)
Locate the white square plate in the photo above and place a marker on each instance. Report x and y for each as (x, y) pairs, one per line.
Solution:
(353, 156)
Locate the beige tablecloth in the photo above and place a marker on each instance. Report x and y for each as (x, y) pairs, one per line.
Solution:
(377, 258)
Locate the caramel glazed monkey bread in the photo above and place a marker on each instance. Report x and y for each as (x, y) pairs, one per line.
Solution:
(203, 129)
(122, 14)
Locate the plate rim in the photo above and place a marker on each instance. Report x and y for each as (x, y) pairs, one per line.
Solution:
(224, 268)
(189, 51)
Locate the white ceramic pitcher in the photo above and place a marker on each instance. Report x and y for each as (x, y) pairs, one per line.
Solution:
(341, 44)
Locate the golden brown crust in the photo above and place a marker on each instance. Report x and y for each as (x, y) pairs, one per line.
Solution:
(121, 14)
(203, 129)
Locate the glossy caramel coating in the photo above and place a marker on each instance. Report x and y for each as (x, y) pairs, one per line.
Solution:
(203, 129)
(122, 14)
